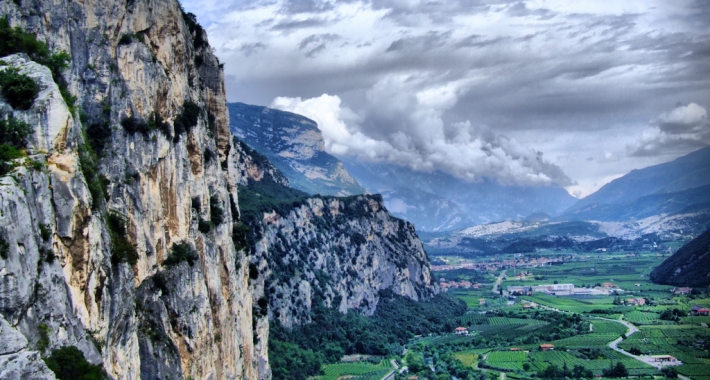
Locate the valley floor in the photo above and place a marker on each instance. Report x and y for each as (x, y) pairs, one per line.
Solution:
(537, 335)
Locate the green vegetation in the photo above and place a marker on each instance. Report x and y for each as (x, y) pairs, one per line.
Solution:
(68, 363)
(19, 90)
(332, 334)
(195, 28)
(44, 231)
(97, 182)
(216, 211)
(129, 38)
(181, 252)
(4, 247)
(362, 370)
(121, 249)
(43, 341)
(134, 124)
(619, 370)
(239, 235)
(288, 361)
(580, 340)
(16, 40)
(688, 266)
(187, 119)
(13, 139)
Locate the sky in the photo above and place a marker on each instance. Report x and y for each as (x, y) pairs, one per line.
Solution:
(561, 93)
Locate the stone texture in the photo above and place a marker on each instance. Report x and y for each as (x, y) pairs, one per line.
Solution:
(82, 297)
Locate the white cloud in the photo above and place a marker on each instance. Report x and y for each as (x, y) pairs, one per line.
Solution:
(678, 131)
(420, 140)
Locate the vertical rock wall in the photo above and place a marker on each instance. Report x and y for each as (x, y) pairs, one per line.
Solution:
(135, 59)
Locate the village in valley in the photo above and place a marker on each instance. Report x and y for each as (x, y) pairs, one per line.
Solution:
(556, 315)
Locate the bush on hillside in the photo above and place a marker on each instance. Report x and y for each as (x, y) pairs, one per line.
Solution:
(68, 363)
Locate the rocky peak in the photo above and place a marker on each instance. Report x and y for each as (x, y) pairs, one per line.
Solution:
(295, 145)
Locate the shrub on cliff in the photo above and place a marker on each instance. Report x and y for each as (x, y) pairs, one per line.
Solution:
(15, 40)
(181, 252)
(13, 138)
(68, 363)
(121, 249)
(19, 90)
(188, 118)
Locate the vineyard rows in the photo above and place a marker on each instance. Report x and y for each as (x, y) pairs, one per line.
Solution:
(361, 370)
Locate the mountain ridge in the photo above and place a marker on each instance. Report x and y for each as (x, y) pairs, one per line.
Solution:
(294, 144)
(688, 267)
(682, 174)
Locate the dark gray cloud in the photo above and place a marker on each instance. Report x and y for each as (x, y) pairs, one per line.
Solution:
(291, 25)
(535, 74)
(519, 9)
(306, 6)
(251, 48)
(316, 43)
(421, 44)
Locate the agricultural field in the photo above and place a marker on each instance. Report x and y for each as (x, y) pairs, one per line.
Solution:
(501, 324)
(468, 358)
(360, 371)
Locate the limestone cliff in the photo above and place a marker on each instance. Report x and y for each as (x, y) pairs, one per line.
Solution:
(338, 251)
(150, 101)
(117, 232)
(295, 145)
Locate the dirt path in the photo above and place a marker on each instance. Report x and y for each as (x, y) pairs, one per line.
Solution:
(498, 281)
(614, 344)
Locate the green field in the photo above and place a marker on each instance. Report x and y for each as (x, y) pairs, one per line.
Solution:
(502, 326)
(360, 371)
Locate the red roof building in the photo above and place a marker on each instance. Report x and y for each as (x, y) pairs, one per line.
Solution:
(547, 347)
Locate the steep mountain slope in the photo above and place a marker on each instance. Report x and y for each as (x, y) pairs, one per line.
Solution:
(651, 233)
(439, 202)
(294, 144)
(120, 230)
(664, 188)
(689, 266)
(340, 252)
(103, 239)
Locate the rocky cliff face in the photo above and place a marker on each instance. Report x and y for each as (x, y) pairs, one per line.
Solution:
(337, 251)
(116, 229)
(66, 279)
(295, 145)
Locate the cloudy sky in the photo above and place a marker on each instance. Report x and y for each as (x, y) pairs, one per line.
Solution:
(569, 93)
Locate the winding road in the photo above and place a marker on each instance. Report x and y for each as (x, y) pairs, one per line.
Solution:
(614, 344)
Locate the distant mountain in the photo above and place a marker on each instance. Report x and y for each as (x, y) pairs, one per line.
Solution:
(679, 186)
(294, 145)
(649, 234)
(689, 266)
(437, 201)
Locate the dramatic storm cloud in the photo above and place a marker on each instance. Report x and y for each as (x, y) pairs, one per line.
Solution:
(479, 87)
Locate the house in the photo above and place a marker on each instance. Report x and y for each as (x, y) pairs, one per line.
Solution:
(704, 311)
(547, 347)
(529, 305)
(608, 285)
(636, 301)
(461, 331)
(637, 285)
(663, 358)
(681, 290)
(516, 349)
(481, 301)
